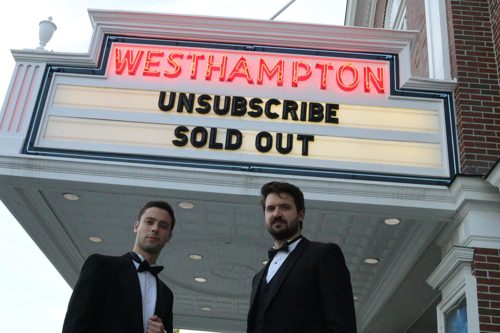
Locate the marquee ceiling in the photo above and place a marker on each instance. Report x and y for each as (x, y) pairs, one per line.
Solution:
(225, 227)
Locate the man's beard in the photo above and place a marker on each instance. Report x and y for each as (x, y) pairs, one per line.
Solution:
(286, 232)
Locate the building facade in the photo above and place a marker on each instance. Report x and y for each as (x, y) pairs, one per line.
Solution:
(466, 35)
(389, 124)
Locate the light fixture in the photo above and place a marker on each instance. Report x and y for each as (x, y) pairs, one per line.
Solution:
(186, 205)
(71, 196)
(264, 262)
(200, 279)
(372, 261)
(392, 221)
(95, 239)
(355, 298)
(195, 256)
(206, 308)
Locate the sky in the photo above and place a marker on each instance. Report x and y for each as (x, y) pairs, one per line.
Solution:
(33, 296)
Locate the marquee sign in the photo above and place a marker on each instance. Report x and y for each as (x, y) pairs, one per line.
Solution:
(239, 107)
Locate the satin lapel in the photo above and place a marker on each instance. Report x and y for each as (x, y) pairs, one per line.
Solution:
(259, 277)
(285, 268)
(129, 282)
(161, 296)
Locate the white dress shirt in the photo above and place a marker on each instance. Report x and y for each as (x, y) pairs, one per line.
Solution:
(278, 260)
(148, 293)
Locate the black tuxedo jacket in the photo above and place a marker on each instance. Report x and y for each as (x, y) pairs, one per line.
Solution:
(107, 298)
(312, 293)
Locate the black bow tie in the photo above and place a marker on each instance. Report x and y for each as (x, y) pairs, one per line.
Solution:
(145, 266)
(272, 252)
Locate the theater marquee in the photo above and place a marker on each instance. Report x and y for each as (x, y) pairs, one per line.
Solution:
(260, 109)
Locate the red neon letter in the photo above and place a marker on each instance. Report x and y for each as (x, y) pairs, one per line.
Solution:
(241, 69)
(295, 74)
(150, 63)
(276, 70)
(221, 67)
(378, 81)
(355, 77)
(127, 60)
(176, 71)
(324, 73)
(194, 64)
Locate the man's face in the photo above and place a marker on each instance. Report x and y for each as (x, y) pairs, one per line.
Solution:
(282, 216)
(153, 230)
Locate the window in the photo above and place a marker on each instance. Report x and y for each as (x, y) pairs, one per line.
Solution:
(456, 318)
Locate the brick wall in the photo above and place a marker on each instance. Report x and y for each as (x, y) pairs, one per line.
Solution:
(495, 17)
(477, 96)
(486, 269)
(415, 20)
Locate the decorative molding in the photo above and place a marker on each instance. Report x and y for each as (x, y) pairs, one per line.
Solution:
(493, 176)
(435, 201)
(20, 99)
(265, 32)
(474, 197)
(455, 280)
(456, 257)
(472, 188)
(430, 84)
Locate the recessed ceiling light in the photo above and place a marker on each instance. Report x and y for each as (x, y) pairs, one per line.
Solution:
(200, 279)
(195, 256)
(95, 239)
(355, 298)
(372, 261)
(206, 308)
(71, 196)
(186, 205)
(264, 262)
(392, 221)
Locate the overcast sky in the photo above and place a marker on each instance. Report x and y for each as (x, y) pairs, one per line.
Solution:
(33, 294)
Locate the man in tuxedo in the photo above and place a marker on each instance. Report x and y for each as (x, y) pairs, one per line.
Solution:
(305, 287)
(124, 294)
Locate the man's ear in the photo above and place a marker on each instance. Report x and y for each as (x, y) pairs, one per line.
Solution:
(136, 225)
(301, 213)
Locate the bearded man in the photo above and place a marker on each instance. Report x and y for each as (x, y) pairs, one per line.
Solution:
(305, 287)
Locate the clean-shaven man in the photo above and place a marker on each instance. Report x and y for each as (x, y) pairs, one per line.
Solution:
(124, 294)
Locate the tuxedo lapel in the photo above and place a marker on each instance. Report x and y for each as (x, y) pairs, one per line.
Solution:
(258, 278)
(161, 296)
(285, 268)
(129, 283)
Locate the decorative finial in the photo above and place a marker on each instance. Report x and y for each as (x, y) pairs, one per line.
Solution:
(47, 28)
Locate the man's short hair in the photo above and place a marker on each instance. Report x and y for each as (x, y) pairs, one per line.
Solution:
(158, 204)
(282, 187)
